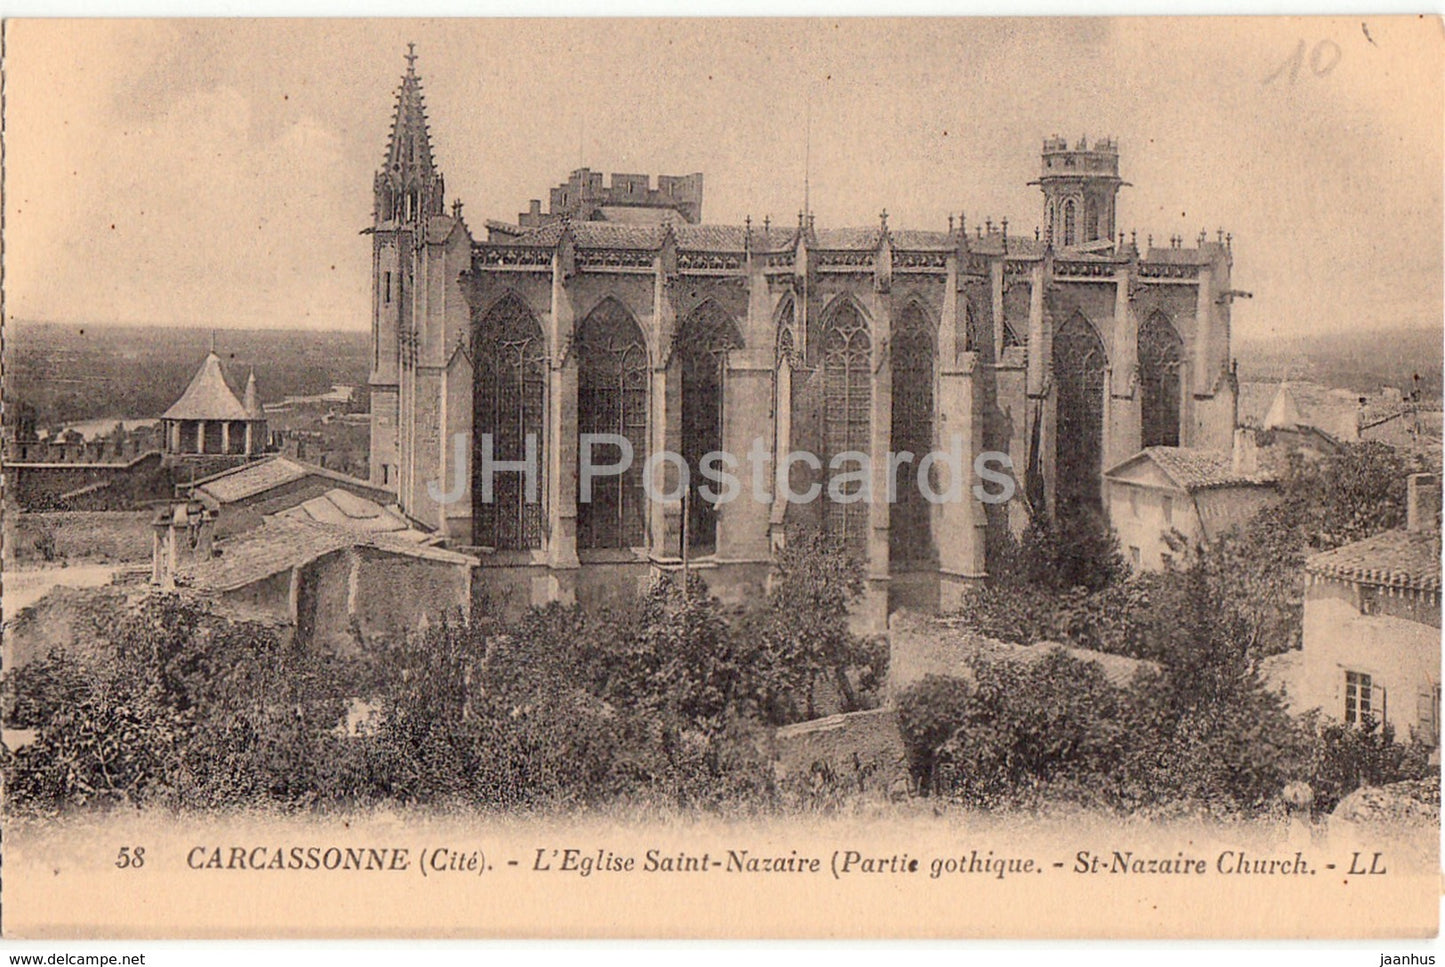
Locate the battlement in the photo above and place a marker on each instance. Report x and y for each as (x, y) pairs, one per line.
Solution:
(1102, 158)
(583, 194)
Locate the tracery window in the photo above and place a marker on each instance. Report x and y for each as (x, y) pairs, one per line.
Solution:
(910, 531)
(1160, 353)
(508, 402)
(1079, 364)
(702, 345)
(1069, 222)
(1016, 315)
(971, 335)
(847, 416)
(612, 394)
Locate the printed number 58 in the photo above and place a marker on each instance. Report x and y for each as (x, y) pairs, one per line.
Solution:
(130, 858)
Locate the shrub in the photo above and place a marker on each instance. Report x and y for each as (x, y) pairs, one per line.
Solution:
(1348, 757)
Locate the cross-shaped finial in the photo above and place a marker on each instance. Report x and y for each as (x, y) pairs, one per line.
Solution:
(411, 58)
(883, 219)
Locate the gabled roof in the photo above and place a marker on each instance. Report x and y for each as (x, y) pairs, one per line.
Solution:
(1283, 412)
(208, 397)
(1394, 559)
(342, 508)
(257, 477)
(1192, 469)
(281, 544)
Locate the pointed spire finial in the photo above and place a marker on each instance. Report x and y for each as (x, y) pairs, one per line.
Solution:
(411, 59)
(883, 221)
(213, 342)
(950, 223)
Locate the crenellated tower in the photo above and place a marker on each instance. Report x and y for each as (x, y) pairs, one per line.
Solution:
(1080, 185)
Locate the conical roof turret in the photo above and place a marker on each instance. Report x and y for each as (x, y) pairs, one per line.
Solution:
(208, 397)
(250, 401)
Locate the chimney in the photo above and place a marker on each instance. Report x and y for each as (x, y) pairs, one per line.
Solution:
(182, 532)
(1422, 502)
(1246, 453)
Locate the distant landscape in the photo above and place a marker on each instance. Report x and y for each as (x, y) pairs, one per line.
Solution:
(69, 373)
(1363, 361)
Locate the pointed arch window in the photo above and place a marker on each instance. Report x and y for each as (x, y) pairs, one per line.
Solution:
(1160, 353)
(508, 405)
(612, 384)
(702, 344)
(847, 416)
(1015, 315)
(972, 338)
(1079, 367)
(912, 354)
(1070, 218)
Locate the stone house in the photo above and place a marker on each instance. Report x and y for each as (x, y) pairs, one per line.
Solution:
(1372, 625)
(337, 587)
(242, 497)
(1198, 494)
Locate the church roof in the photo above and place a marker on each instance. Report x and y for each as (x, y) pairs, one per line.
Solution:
(724, 238)
(208, 397)
(1394, 559)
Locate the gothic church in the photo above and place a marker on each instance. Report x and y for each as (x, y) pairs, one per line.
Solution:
(619, 310)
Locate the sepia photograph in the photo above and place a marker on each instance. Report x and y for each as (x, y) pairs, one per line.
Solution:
(722, 478)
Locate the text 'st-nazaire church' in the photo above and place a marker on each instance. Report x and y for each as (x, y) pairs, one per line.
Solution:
(618, 310)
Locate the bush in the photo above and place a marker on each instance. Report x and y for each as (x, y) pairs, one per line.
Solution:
(1348, 757)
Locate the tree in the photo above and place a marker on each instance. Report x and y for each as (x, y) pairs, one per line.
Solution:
(804, 632)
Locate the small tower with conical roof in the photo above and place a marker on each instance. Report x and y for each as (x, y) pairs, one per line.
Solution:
(208, 421)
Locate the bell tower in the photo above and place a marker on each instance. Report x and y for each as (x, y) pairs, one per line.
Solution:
(1080, 185)
(406, 193)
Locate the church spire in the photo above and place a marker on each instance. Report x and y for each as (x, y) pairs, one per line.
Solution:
(409, 186)
(410, 145)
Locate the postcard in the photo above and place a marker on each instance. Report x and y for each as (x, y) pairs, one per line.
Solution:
(722, 478)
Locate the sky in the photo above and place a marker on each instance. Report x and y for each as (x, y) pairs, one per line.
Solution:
(218, 173)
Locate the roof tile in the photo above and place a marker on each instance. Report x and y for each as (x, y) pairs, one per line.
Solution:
(1394, 559)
